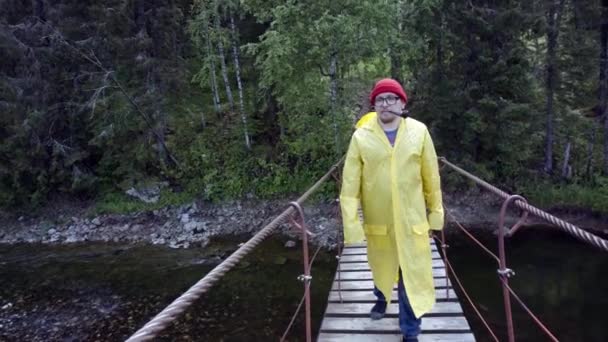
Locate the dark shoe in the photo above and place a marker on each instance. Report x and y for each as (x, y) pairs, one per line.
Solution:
(378, 310)
(410, 339)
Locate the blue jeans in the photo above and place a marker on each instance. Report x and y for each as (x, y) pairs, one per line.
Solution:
(409, 324)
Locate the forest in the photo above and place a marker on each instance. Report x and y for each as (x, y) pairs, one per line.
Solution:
(256, 99)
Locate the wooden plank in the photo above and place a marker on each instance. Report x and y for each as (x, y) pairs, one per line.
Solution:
(424, 337)
(363, 244)
(368, 296)
(354, 245)
(392, 308)
(362, 258)
(351, 258)
(364, 266)
(369, 284)
(356, 275)
(349, 322)
(357, 250)
(429, 324)
(363, 250)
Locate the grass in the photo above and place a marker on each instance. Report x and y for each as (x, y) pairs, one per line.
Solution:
(546, 195)
(120, 203)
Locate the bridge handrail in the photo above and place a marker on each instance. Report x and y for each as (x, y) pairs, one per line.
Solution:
(569, 228)
(503, 272)
(179, 305)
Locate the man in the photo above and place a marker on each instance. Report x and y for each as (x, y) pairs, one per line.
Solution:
(391, 169)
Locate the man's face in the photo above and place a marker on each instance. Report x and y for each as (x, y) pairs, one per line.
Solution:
(386, 104)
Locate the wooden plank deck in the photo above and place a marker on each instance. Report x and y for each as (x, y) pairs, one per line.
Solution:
(347, 314)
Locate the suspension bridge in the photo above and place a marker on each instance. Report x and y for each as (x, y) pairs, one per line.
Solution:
(350, 299)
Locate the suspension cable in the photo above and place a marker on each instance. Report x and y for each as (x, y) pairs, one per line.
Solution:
(293, 318)
(565, 226)
(179, 305)
(536, 320)
(464, 230)
(447, 263)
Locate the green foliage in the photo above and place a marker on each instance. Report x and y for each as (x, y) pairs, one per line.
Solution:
(590, 196)
(474, 72)
(120, 203)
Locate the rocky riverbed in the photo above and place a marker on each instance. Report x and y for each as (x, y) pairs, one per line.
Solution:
(194, 224)
(189, 225)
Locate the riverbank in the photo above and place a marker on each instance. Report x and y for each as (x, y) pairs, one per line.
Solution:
(194, 224)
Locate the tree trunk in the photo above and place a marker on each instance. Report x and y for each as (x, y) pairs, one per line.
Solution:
(237, 68)
(154, 83)
(604, 79)
(38, 9)
(220, 48)
(140, 12)
(591, 147)
(440, 52)
(394, 50)
(333, 95)
(395, 65)
(553, 21)
(606, 144)
(211, 56)
(566, 169)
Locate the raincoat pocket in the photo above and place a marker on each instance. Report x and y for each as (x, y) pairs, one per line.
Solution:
(421, 228)
(373, 229)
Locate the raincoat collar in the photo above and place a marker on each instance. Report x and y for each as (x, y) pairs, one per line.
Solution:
(374, 127)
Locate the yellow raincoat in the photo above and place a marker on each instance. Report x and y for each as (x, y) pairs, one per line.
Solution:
(365, 118)
(400, 194)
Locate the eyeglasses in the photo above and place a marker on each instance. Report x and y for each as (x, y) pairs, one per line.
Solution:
(389, 100)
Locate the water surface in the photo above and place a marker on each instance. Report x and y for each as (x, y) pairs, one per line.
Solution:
(562, 280)
(106, 292)
(101, 292)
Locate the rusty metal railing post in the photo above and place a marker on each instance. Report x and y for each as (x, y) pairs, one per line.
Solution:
(306, 277)
(340, 241)
(503, 272)
(444, 249)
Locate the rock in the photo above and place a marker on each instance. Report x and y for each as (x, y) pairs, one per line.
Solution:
(71, 239)
(199, 229)
(54, 238)
(194, 226)
(52, 231)
(290, 244)
(179, 244)
(96, 221)
(193, 208)
(185, 218)
(7, 306)
(21, 218)
(149, 194)
(158, 241)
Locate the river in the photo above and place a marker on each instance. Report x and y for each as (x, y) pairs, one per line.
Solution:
(105, 292)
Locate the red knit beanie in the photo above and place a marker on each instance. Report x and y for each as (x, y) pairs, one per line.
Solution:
(387, 85)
